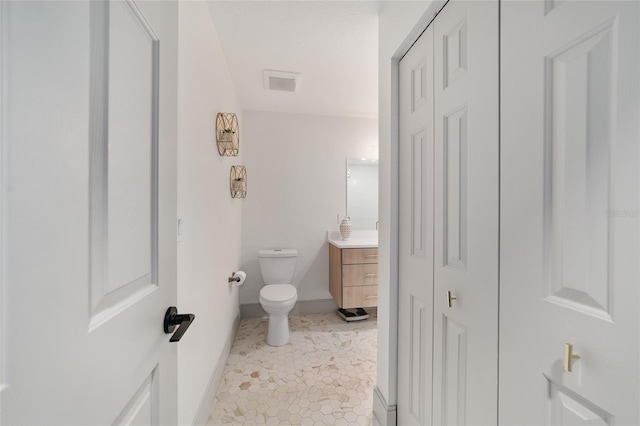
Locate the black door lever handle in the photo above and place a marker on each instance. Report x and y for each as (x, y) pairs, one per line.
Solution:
(172, 320)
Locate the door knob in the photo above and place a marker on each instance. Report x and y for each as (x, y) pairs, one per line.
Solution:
(569, 357)
(172, 320)
(450, 298)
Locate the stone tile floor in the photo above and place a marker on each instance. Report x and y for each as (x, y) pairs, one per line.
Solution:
(324, 376)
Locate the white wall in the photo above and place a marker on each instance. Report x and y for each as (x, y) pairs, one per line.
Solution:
(296, 167)
(400, 23)
(210, 247)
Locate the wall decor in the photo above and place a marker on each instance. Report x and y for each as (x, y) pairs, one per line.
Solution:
(238, 181)
(227, 134)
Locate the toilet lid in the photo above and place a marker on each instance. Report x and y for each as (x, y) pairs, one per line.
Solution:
(278, 292)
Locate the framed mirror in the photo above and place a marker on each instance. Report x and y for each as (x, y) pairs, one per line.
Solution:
(362, 193)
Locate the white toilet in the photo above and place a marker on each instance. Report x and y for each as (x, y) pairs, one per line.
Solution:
(278, 296)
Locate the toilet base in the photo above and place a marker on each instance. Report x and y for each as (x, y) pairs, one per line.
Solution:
(278, 333)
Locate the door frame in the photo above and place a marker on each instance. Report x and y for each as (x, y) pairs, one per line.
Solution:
(384, 406)
(3, 51)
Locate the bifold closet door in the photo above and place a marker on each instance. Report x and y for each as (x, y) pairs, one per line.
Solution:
(448, 212)
(415, 320)
(569, 213)
(466, 214)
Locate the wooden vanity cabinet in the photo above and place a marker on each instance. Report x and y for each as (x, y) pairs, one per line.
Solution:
(353, 276)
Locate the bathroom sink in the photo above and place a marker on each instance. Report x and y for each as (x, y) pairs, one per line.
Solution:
(359, 239)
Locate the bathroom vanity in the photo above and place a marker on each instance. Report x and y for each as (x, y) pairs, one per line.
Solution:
(353, 263)
(353, 271)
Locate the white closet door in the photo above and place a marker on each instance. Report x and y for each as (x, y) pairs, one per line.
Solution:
(447, 364)
(466, 214)
(569, 218)
(415, 320)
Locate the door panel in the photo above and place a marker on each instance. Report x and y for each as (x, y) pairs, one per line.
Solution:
(569, 212)
(416, 233)
(456, 181)
(142, 408)
(578, 87)
(89, 176)
(466, 214)
(123, 172)
(569, 408)
(454, 373)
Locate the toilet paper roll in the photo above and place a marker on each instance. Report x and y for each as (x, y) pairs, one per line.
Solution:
(240, 274)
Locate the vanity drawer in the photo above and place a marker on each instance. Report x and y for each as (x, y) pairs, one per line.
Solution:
(362, 274)
(353, 276)
(359, 255)
(360, 297)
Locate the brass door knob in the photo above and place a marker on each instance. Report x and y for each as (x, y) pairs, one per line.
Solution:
(450, 298)
(569, 357)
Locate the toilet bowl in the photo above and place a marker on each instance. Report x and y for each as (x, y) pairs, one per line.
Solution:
(278, 296)
(278, 300)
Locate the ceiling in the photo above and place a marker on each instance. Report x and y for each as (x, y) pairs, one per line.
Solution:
(333, 44)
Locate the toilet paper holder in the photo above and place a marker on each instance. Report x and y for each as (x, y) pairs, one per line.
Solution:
(237, 278)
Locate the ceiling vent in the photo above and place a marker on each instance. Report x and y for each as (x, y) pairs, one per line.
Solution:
(281, 80)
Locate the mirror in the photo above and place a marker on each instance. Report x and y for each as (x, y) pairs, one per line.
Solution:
(362, 193)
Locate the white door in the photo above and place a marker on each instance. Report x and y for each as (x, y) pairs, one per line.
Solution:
(415, 251)
(466, 214)
(89, 212)
(569, 212)
(448, 218)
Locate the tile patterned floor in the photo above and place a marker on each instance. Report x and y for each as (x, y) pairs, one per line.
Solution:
(324, 376)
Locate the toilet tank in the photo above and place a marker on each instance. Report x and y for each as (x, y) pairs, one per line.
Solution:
(277, 265)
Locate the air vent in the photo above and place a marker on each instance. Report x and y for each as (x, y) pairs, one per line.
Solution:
(281, 80)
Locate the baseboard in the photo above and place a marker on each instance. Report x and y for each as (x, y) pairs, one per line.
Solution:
(303, 307)
(206, 404)
(252, 310)
(384, 414)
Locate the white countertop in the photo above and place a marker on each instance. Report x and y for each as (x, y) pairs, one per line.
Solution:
(359, 239)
